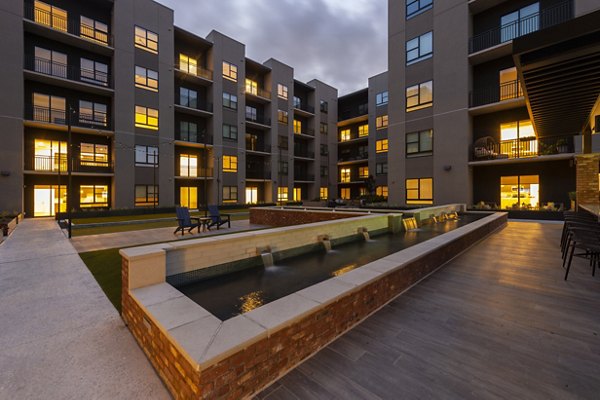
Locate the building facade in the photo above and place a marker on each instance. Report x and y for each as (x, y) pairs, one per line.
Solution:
(157, 116)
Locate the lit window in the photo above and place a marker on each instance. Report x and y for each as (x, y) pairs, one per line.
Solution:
(146, 79)
(324, 193)
(363, 130)
(282, 117)
(93, 196)
(419, 96)
(518, 139)
(94, 72)
(419, 191)
(363, 172)
(416, 7)
(146, 118)
(324, 128)
(51, 16)
(362, 191)
(345, 175)
(251, 87)
(93, 113)
(188, 165)
(345, 193)
(345, 135)
(93, 155)
(230, 132)
(188, 65)
(94, 30)
(510, 87)
(297, 126)
(230, 71)
(419, 143)
(381, 122)
(381, 98)
(146, 195)
(230, 194)
(146, 155)
(419, 48)
(146, 40)
(282, 91)
(297, 194)
(50, 62)
(188, 131)
(381, 146)
(230, 163)
(50, 109)
(230, 101)
(520, 192)
(188, 197)
(381, 168)
(381, 191)
(188, 97)
(282, 194)
(49, 155)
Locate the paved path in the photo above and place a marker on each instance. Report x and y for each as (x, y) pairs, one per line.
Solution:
(498, 322)
(147, 236)
(60, 337)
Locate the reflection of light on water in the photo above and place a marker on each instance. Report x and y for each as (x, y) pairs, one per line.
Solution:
(343, 270)
(251, 301)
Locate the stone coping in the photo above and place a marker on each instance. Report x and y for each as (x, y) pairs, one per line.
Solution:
(205, 340)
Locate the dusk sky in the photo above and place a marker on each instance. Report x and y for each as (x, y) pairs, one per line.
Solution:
(340, 42)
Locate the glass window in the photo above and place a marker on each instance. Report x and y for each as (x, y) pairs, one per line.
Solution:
(188, 165)
(381, 98)
(188, 197)
(416, 7)
(188, 64)
(517, 139)
(146, 40)
(520, 22)
(49, 155)
(283, 167)
(146, 118)
(94, 30)
(51, 16)
(48, 108)
(419, 143)
(324, 106)
(324, 171)
(324, 128)
(323, 193)
(419, 48)
(50, 62)
(363, 172)
(94, 72)
(282, 117)
(510, 87)
(381, 146)
(188, 97)
(146, 155)
(381, 122)
(297, 126)
(188, 131)
(251, 113)
(419, 96)
(230, 194)
(230, 71)
(93, 155)
(324, 150)
(230, 163)
(363, 130)
(282, 194)
(382, 191)
(381, 168)
(282, 91)
(93, 113)
(419, 191)
(146, 78)
(93, 196)
(230, 132)
(146, 195)
(520, 192)
(345, 193)
(251, 87)
(345, 175)
(345, 135)
(230, 101)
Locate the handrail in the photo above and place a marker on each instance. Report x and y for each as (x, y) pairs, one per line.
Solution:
(70, 72)
(495, 93)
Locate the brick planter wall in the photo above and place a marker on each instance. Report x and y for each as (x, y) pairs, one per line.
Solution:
(285, 217)
(587, 179)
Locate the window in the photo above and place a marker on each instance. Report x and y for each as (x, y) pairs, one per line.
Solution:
(146, 40)
(520, 22)
(283, 167)
(419, 96)
(146, 195)
(381, 146)
(324, 150)
(381, 168)
(251, 87)
(363, 172)
(230, 132)
(324, 171)
(146, 118)
(93, 196)
(419, 143)
(230, 101)
(518, 139)
(520, 192)
(230, 163)
(323, 193)
(94, 72)
(282, 194)
(93, 155)
(419, 48)
(50, 62)
(251, 113)
(93, 30)
(282, 142)
(381, 191)
(230, 194)
(324, 106)
(188, 197)
(363, 130)
(48, 108)
(48, 15)
(381, 122)
(297, 102)
(282, 117)
(188, 97)
(188, 131)
(345, 135)
(146, 79)
(297, 194)
(416, 7)
(230, 71)
(188, 165)
(93, 113)
(419, 191)
(510, 87)
(345, 193)
(345, 175)
(188, 64)
(297, 126)
(251, 194)
(146, 155)
(324, 128)
(50, 155)
(282, 91)
(381, 98)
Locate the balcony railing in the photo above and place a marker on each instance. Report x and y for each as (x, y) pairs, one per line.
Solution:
(196, 105)
(263, 148)
(258, 174)
(550, 16)
(493, 94)
(55, 163)
(70, 72)
(302, 152)
(258, 119)
(304, 177)
(67, 24)
(197, 172)
(523, 148)
(95, 120)
(196, 71)
(201, 138)
(304, 107)
(354, 157)
(265, 94)
(306, 131)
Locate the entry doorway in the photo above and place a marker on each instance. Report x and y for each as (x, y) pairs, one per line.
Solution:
(251, 195)
(48, 200)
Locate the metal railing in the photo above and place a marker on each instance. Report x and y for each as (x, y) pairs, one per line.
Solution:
(197, 172)
(259, 92)
(525, 148)
(550, 16)
(304, 107)
(202, 138)
(258, 174)
(263, 148)
(58, 162)
(59, 116)
(304, 177)
(306, 131)
(493, 94)
(305, 153)
(196, 105)
(63, 23)
(354, 157)
(258, 119)
(196, 71)
(70, 72)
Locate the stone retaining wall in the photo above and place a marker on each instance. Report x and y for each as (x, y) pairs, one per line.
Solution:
(278, 217)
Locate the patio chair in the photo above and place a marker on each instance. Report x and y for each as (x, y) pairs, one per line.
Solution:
(184, 221)
(217, 218)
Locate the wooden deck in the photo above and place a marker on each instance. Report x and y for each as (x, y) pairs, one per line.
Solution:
(498, 322)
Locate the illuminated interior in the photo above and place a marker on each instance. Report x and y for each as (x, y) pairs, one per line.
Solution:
(297, 126)
(146, 118)
(48, 155)
(520, 192)
(518, 139)
(46, 200)
(324, 193)
(509, 87)
(345, 193)
(188, 165)
(363, 130)
(345, 175)
(345, 135)
(419, 191)
(94, 155)
(251, 195)
(188, 64)
(251, 87)
(282, 194)
(381, 146)
(363, 172)
(297, 194)
(188, 197)
(52, 16)
(230, 164)
(93, 196)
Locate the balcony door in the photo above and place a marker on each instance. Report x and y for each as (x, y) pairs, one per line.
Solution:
(251, 194)
(49, 154)
(520, 192)
(510, 87)
(48, 200)
(520, 22)
(188, 197)
(518, 139)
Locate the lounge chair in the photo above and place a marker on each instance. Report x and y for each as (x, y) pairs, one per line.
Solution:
(217, 218)
(184, 220)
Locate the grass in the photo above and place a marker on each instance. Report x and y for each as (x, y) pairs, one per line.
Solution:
(105, 266)
(121, 218)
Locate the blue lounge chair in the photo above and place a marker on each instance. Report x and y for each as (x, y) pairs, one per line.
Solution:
(217, 218)
(184, 221)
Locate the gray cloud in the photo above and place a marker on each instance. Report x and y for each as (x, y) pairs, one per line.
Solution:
(340, 42)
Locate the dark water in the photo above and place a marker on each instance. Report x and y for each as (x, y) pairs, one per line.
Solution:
(229, 295)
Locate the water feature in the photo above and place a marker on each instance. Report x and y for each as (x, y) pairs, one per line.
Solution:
(410, 223)
(326, 240)
(267, 259)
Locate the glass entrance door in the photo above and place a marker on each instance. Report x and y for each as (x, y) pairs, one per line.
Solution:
(251, 195)
(47, 199)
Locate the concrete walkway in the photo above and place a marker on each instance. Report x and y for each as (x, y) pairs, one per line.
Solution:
(60, 337)
(146, 236)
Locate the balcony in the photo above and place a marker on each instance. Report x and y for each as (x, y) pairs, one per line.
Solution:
(54, 164)
(305, 132)
(259, 93)
(485, 149)
(353, 157)
(202, 74)
(257, 147)
(258, 174)
(195, 173)
(304, 109)
(258, 120)
(304, 153)
(194, 140)
(303, 177)
(196, 108)
(548, 17)
(495, 94)
(45, 115)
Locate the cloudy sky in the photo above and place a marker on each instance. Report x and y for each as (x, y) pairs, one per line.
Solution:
(340, 42)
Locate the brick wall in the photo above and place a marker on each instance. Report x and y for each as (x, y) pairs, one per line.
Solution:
(279, 217)
(587, 179)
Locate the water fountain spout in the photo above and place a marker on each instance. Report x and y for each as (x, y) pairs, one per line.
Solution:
(326, 240)
(266, 255)
(365, 233)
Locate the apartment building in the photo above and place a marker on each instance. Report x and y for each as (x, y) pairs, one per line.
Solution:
(490, 100)
(157, 116)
